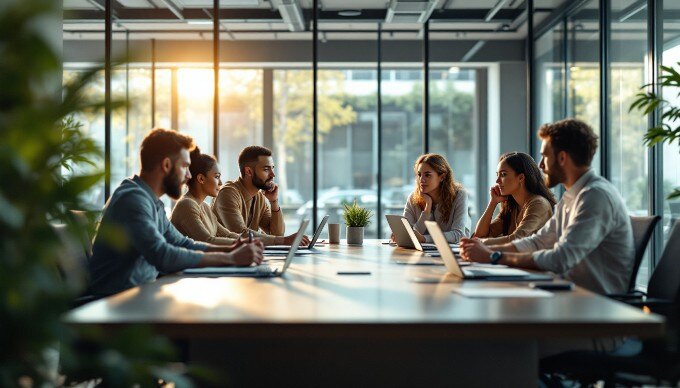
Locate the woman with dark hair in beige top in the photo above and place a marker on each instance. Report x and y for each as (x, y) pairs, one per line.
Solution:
(191, 215)
(526, 202)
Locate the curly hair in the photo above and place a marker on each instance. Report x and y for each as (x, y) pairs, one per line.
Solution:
(574, 137)
(448, 188)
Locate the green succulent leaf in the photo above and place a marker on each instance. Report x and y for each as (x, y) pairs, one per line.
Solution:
(356, 216)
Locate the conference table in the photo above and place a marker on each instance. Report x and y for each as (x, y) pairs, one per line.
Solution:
(400, 323)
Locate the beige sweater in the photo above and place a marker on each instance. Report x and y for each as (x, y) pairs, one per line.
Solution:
(197, 221)
(525, 222)
(233, 210)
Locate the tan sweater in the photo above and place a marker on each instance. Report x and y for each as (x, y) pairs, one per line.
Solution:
(525, 222)
(233, 210)
(196, 220)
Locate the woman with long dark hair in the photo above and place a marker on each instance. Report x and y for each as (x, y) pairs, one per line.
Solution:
(437, 197)
(191, 215)
(526, 202)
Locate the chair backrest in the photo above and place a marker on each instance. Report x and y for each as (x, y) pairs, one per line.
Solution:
(72, 260)
(642, 232)
(86, 234)
(665, 281)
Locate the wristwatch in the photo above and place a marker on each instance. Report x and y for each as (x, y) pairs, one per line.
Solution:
(496, 257)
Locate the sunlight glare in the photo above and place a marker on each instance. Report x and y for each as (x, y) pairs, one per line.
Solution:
(207, 293)
(195, 84)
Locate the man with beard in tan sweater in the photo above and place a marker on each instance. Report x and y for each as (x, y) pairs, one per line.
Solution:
(250, 203)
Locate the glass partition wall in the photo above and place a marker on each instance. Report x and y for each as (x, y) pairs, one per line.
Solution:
(613, 35)
(168, 78)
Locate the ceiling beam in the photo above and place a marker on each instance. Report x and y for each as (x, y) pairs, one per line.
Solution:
(632, 10)
(493, 11)
(473, 50)
(174, 8)
(267, 15)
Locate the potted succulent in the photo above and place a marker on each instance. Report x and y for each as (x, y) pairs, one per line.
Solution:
(356, 219)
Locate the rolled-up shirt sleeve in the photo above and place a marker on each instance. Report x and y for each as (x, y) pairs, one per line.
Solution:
(588, 227)
(169, 253)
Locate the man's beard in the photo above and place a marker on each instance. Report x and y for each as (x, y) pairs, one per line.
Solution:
(261, 184)
(172, 185)
(555, 177)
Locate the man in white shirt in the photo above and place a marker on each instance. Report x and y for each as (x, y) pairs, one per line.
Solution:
(589, 239)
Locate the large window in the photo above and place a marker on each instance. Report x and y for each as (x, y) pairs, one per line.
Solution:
(293, 143)
(93, 126)
(241, 113)
(628, 158)
(273, 107)
(671, 153)
(348, 132)
(583, 71)
(454, 129)
(402, 123)
(550, 86)
(628, 70)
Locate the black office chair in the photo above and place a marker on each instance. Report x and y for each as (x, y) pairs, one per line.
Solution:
(643, 227)
(72, 263)
(658, 359)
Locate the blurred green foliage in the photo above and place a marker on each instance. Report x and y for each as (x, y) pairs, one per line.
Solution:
(40, 146)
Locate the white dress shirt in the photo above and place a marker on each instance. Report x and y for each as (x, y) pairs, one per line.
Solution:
(589, 239)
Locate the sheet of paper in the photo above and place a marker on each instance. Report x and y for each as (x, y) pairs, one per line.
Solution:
(502, 292)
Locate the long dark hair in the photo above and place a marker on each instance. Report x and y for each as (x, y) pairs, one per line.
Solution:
(200, 164)
(522, 163)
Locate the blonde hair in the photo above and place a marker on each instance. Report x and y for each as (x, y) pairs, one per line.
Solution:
(448, 188)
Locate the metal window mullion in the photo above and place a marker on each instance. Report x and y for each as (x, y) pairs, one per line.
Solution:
(531, 120)
(127, 101)
(153, 83)
(107, 99)
(216, 78)
(315, 140)
(655, 173)
(426, 87)
(379, 119)
(605, 71)
(565, 64)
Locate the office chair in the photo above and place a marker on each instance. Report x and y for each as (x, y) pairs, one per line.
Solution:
(72, 261)
(643, 227)
(658, 359)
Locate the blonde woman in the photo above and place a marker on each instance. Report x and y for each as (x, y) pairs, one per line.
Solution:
(437, 197)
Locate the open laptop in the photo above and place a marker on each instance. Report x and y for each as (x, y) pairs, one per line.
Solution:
(317, 233)
(404, 235)
(452, 266)
(259, 271)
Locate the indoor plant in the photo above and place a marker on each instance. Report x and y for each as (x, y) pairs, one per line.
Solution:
(356, 219)
(39, 144)
(669, 128)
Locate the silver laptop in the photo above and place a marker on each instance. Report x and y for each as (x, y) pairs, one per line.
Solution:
(260, 271)
(454, 268)
(317, 233)
(404, 235)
